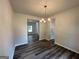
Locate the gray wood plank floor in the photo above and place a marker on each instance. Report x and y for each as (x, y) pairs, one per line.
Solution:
(34, 51)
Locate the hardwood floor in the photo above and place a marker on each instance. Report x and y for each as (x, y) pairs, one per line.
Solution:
(35, 51)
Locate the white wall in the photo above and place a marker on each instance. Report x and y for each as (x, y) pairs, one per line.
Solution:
(20, 27)
(6, 40)
(43, 30)
(67, 29)
(51, 28)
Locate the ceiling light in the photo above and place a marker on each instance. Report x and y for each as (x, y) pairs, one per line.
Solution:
(41, 21)
(44, 20)
(49, 19)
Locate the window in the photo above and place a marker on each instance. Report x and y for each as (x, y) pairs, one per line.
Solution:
(29, 28)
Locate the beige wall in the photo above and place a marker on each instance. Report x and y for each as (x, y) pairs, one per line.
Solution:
(51, 28)
(43, 31)
(67, 29)
(6, 40)
(20, 27)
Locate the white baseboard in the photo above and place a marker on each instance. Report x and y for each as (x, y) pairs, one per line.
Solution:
(67, 47)
(12, 53)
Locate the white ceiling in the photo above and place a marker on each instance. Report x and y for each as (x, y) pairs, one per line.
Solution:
(35, 7)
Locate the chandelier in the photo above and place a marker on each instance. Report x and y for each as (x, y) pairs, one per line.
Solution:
(45, 19)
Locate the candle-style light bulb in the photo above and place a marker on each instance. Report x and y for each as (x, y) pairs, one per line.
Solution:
(49, 19)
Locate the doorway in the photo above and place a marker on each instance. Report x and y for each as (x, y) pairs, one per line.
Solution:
(33, 30)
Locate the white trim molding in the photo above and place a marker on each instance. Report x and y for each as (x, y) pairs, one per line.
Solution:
(67, 47)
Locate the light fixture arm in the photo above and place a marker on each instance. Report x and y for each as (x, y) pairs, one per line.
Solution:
(45, 15)
(45, 6)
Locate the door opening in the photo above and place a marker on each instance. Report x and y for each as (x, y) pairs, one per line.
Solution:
(33, 31)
